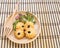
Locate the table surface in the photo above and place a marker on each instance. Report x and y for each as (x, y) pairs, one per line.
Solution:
(48, 11)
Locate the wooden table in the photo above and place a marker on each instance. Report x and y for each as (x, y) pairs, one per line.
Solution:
(48, 11)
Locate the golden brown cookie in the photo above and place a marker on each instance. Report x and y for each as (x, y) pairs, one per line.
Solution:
(20, 25)
(19, 34)
(30, 33)
(29, 25)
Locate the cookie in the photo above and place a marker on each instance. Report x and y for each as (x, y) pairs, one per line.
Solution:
(29, 25)
(20, 25)
(19, 34)
(30, 33)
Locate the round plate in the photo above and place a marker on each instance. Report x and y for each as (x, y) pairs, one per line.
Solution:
(25, 40)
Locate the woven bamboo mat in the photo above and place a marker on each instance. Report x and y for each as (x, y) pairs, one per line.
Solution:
(48, 11)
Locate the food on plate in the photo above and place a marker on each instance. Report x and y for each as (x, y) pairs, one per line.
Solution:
(19, 34)
(29, 25)
(24, 25)
(20, 25)
(30, 33)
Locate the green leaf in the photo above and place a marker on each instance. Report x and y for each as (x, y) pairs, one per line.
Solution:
(16, 21)
(14, 24)
(32, 18)
(23, 19)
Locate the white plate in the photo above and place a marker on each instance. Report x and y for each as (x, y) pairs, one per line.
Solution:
(25, 40)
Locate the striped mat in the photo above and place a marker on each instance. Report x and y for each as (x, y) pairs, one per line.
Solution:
(48, 11)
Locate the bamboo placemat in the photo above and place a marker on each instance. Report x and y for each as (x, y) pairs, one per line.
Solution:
(48, 11)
